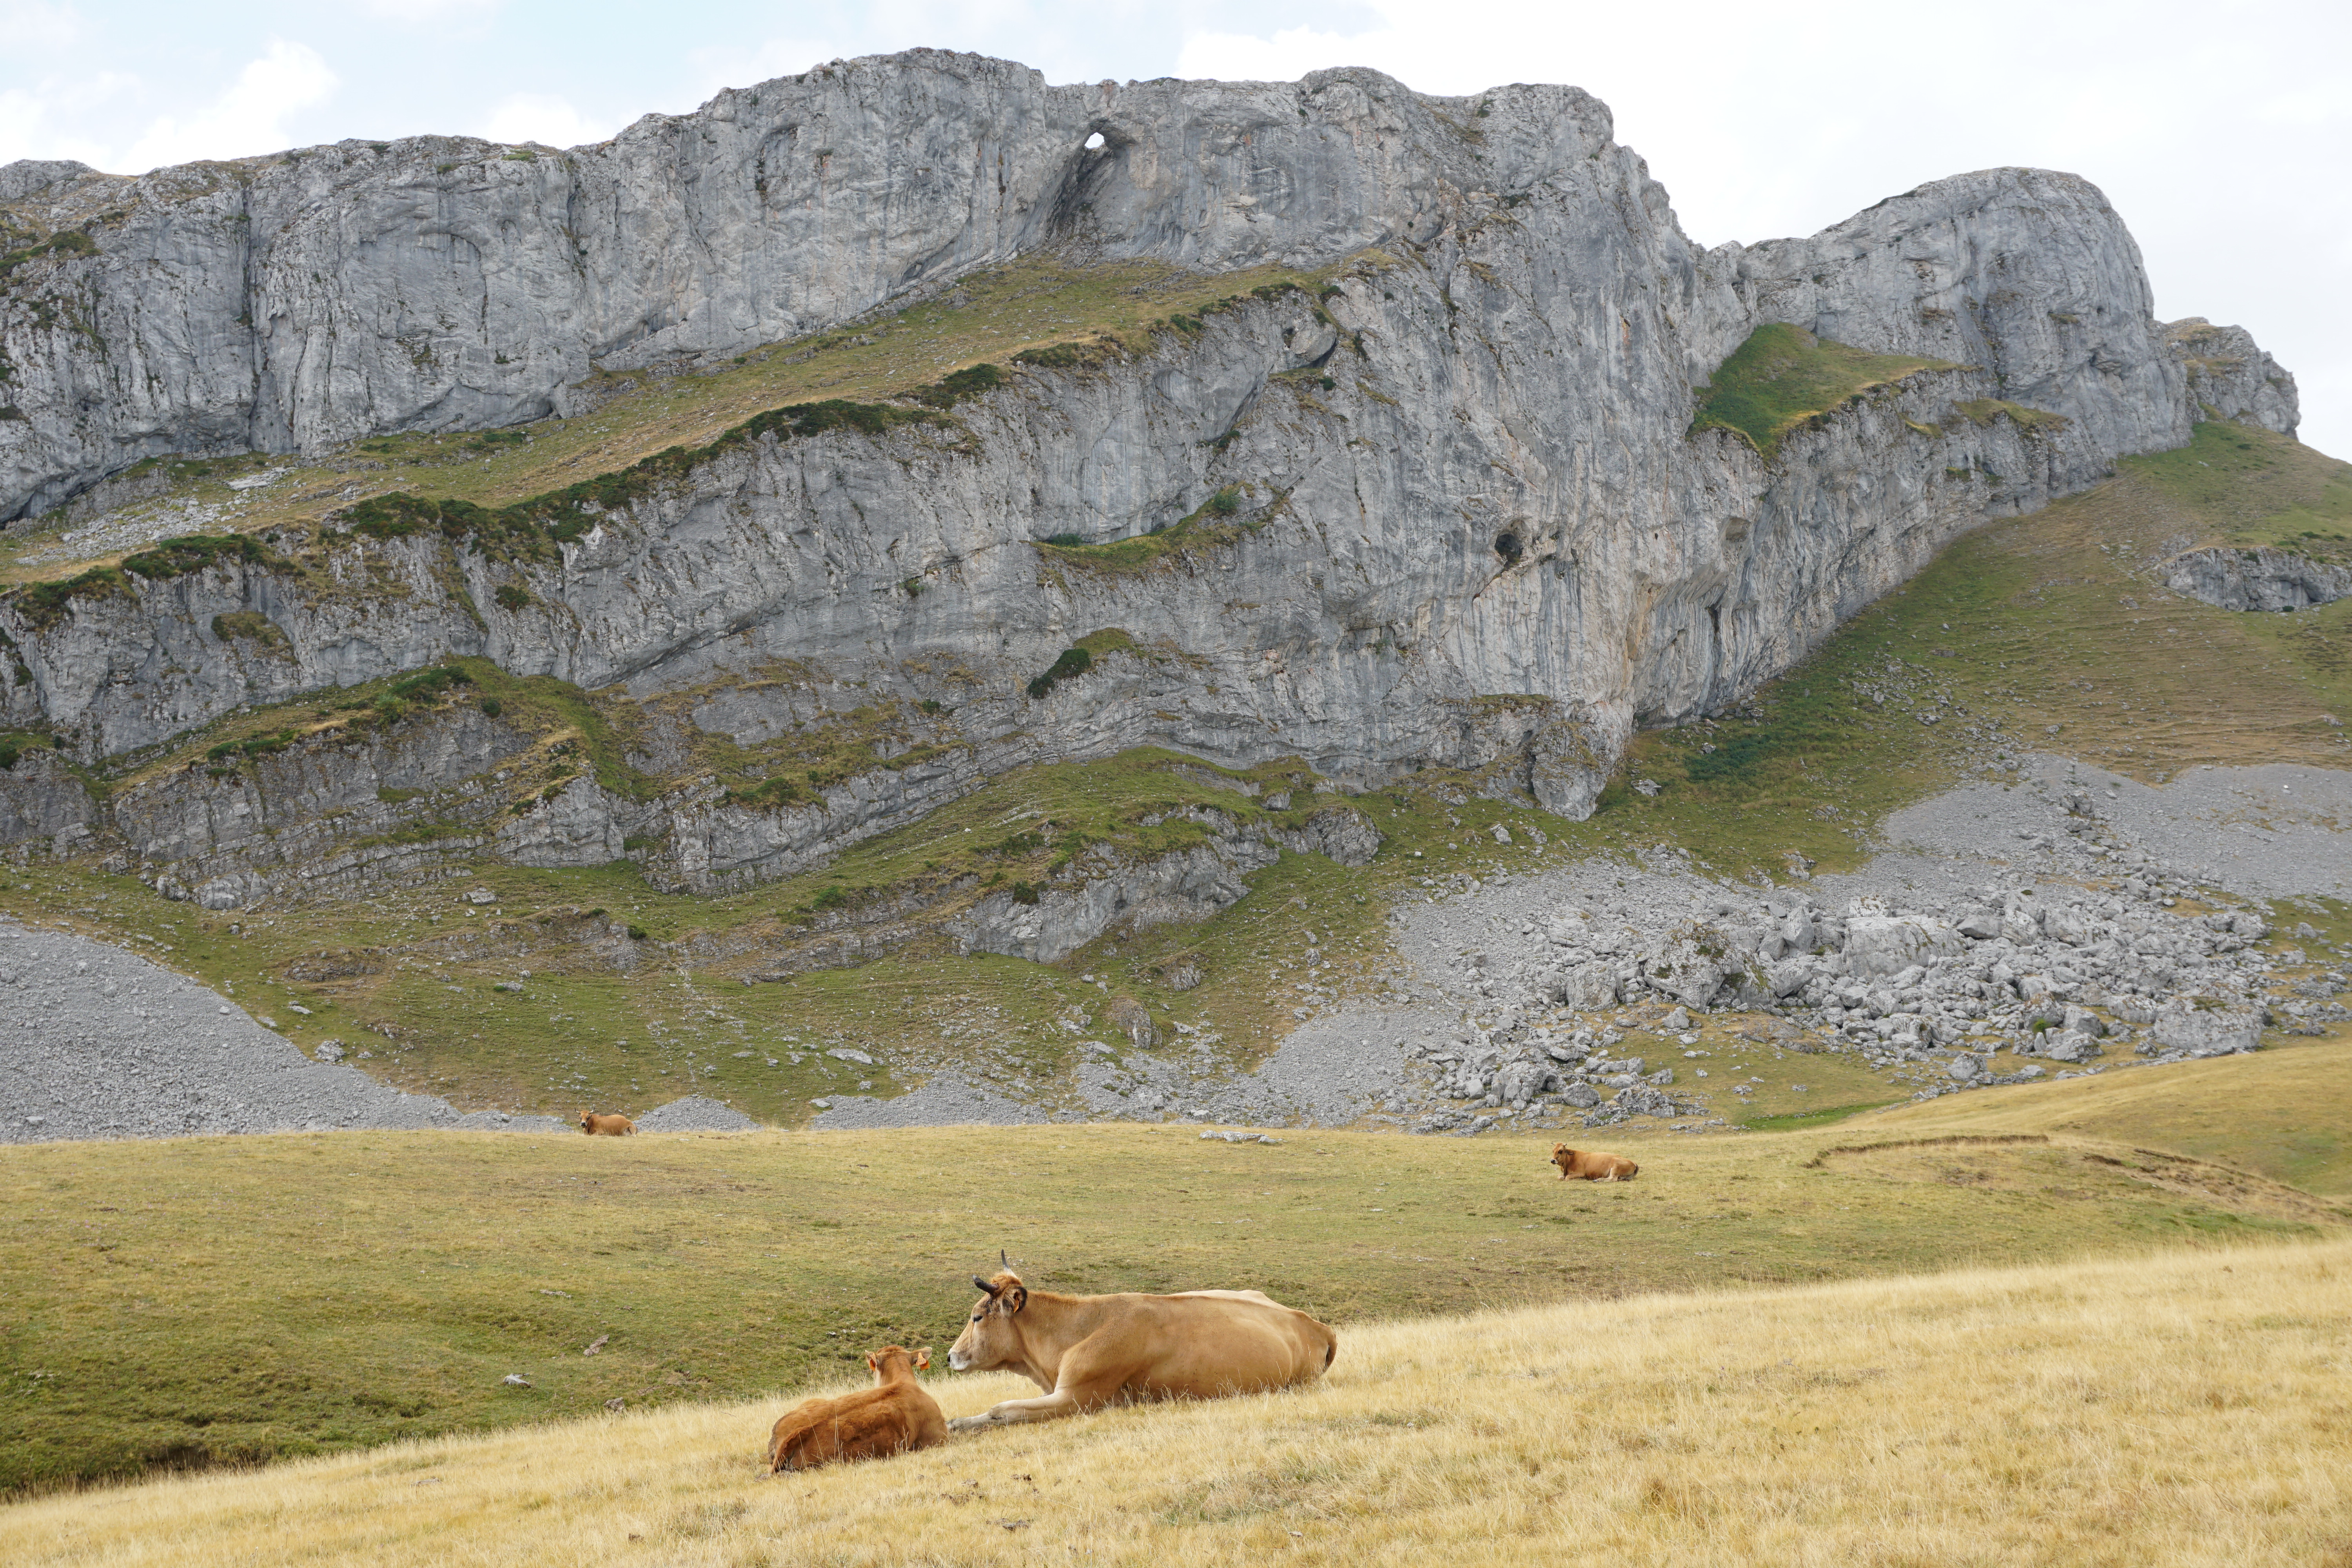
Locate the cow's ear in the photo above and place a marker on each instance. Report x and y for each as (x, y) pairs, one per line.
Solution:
(1015, 1296)
(923, 1359)
(871, 1362)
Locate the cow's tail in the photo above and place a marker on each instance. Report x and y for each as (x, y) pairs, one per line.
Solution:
(1330, 1351)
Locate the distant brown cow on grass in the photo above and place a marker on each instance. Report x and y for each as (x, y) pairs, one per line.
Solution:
(606, 1126)
(1592, 1166)
(1087, 1352)
(894, 1416)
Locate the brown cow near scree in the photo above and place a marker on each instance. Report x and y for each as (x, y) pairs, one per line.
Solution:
(894, 1416)
(1592, 1165)
(606, 1126)
(1087, 1352)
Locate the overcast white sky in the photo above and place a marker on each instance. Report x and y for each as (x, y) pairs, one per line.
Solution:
(2223, 132)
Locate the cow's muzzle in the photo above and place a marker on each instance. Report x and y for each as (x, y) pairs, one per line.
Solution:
(958, 1362)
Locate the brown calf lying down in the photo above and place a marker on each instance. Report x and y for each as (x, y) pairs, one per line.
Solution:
(1590, 1165)
(609, 1126)
(894, 1417)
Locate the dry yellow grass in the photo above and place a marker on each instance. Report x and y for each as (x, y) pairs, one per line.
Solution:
(2188, 1408)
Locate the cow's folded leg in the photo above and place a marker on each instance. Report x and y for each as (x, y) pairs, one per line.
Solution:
(1013, 1412)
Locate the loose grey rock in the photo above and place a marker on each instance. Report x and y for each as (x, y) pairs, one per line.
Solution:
(163, 1056)
(2205, 1031)
(945, 1100)
(694, 1113)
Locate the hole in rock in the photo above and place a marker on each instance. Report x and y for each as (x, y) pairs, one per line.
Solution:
(1507, 545)
(1095, 141)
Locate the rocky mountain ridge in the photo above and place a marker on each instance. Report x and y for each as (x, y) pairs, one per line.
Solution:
(1448, 505)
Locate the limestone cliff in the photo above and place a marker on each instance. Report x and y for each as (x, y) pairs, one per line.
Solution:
(1446, 506)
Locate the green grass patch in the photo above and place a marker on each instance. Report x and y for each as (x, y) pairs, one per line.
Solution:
(2256, 487)
(1797, 1120)
(45, 604)
(14, 747)
(70, 242)
(1985, 410)
(251, 626)
(194, 552)
(1073, 663)
(1215, 522)
(1784, 377)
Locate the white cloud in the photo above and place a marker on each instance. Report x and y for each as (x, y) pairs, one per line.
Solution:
(249, 118)
(544, 118)
(722, 66)
(1285, 57)
(423, 10)
(28, 116)
(29, 23)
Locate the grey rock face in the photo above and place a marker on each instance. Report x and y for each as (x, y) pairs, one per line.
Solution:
(2231, 375)
(40, 798)
(1340, 833)
(2256, 579)
(2026, 272)
(1488, 543)
(31, 176)
(294, 301)
(1190, 885)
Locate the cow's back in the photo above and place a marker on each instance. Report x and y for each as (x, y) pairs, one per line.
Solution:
(871, 1425)
(1205, 1341)
(1260, 1297)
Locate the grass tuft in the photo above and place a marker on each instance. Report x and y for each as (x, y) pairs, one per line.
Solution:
(1784, 377)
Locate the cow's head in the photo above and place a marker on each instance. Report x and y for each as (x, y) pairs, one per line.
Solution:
(891, 1360)
(992, 1337)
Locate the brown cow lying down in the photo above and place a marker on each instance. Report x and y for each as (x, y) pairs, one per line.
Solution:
(1087, 1352)
(608, 1126)
(892, 1418)
(1590, 1165)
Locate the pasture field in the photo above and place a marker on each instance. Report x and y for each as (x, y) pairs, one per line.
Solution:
(203, 1301)
(2187, 1409)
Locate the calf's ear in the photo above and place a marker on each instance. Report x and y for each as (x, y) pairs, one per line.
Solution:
(923, 1359)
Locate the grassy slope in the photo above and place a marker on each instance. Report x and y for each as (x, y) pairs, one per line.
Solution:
(213, 1298)
(2281, 1114)
(2185, 1409)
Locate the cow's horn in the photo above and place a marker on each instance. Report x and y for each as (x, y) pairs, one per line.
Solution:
(1004, 1260)
(983, 1284)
